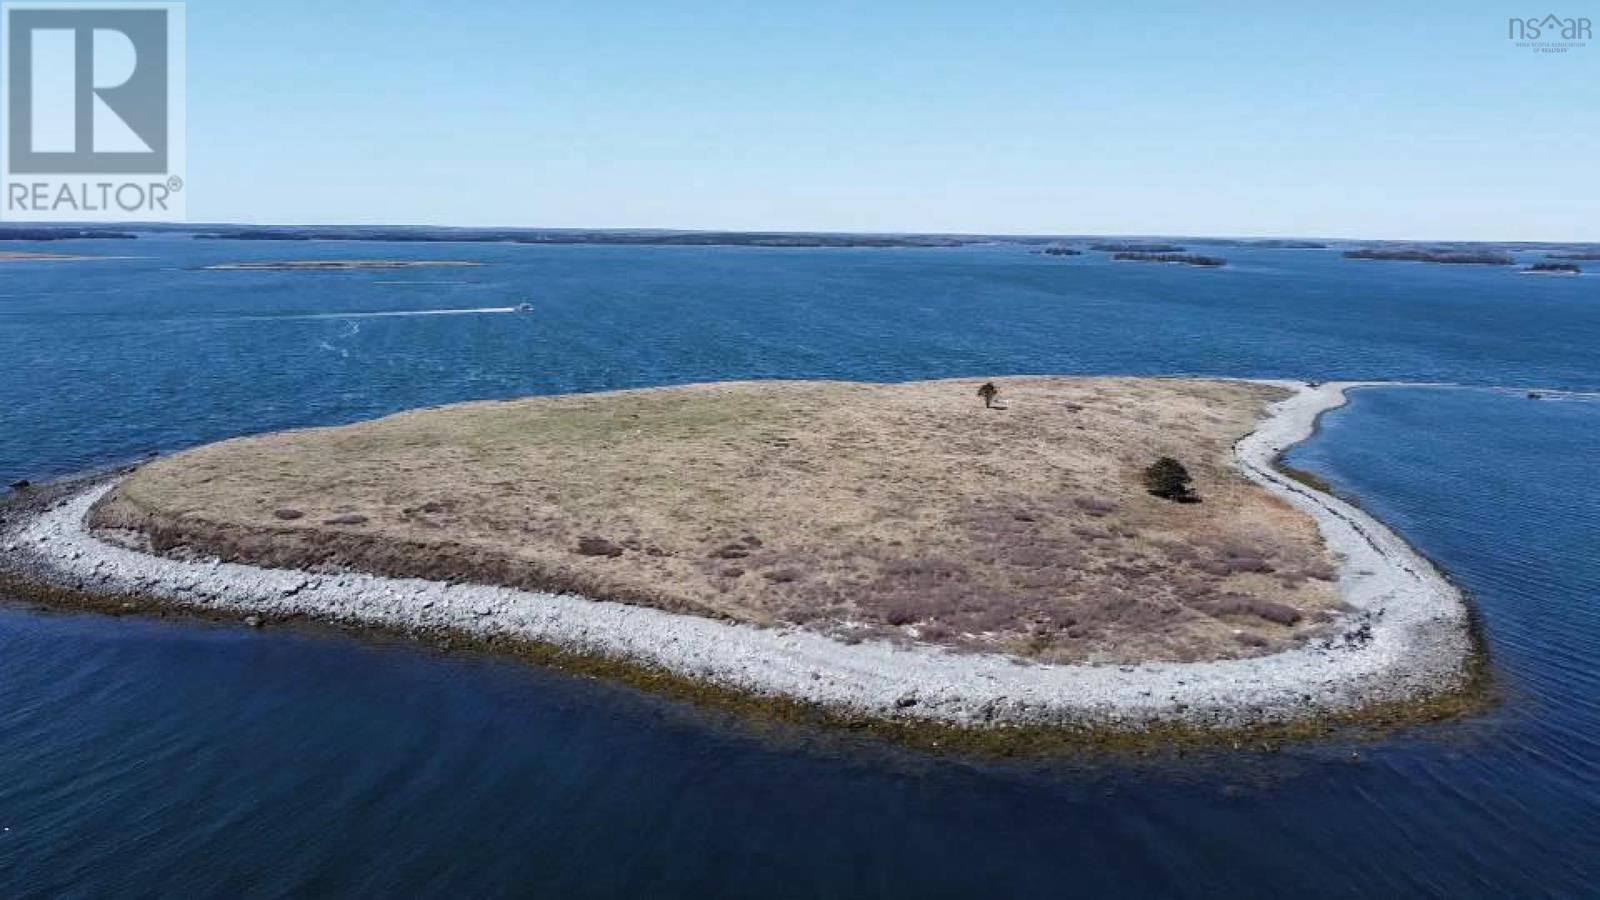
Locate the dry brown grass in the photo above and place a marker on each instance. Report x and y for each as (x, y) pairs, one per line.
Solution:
(907, 511)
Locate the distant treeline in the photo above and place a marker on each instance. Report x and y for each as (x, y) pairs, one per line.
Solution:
(269, 236)
(62, 234)
(1555, 267)
(1266, 244)
(1455, 257)
(628, 238)
(1586, 254)
(1187, 259)
(1136, 247)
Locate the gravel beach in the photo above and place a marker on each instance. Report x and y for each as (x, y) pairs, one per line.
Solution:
(1405, 638)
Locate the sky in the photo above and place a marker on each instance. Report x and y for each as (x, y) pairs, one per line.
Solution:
(1402, 121)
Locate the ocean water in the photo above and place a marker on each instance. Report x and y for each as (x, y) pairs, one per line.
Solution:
(111, 359)
(159, 758)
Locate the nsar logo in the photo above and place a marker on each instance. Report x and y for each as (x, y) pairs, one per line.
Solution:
(1550, 34)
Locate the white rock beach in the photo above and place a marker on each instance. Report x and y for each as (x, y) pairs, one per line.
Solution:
(1407, 636)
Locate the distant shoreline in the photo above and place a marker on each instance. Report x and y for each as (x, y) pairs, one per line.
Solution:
(778, 238)
(617, 238)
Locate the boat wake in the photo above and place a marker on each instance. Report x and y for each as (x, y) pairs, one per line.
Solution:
(393, 314)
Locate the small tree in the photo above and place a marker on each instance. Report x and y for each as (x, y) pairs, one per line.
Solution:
(988, 392)
(1168, 479)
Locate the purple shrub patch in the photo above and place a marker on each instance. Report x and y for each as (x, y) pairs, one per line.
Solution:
(1239, 605)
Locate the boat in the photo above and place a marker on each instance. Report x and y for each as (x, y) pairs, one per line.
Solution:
(524, 307)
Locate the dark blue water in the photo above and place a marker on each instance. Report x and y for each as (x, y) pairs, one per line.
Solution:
(154, 758)
(204, 355)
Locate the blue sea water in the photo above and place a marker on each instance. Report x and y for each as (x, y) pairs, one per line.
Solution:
(156, 758)
(109, 359)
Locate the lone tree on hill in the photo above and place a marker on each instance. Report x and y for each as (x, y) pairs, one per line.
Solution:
(1168, 479)
(988, 392)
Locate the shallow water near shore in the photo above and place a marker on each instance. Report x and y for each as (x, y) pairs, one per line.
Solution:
(207, 760)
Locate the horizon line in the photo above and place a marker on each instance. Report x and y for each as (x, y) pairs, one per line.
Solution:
(1004, 235)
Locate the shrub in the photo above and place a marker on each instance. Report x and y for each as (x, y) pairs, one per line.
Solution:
(1247, 563)
(595, 546)
(1168, 479)
(1279, 613)
(1229, 564)
(1237, 605)
(900, 614)
(988, 392)
(926, 569)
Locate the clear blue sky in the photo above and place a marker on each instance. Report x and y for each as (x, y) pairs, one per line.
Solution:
(1385, 120)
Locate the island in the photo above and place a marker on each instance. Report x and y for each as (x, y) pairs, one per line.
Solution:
(1260, 243)
(1553, 268)
(1448, 257)
(1581, 255)
(63, 234)
(340, 265)
(1284, 244)
(1061, 251)
(1187, 259)
(1135, 247)
(1102, 554)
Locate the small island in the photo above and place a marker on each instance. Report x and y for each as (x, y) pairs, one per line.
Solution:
(1187, 259)
(63, 234)
(1261, 243)
(1284, 244)
(1061, 251)
(339, 265)
(1135, 247)
(1447, 257)
(1106, 554)
(1553, 268)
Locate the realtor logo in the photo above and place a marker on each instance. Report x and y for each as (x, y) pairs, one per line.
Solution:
(93, 109)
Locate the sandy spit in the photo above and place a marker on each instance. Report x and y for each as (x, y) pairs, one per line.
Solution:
(1406, 637)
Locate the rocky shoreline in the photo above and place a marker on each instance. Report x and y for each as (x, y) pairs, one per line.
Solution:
(1407, 638)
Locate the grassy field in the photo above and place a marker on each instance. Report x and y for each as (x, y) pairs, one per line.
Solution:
(904, 511)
